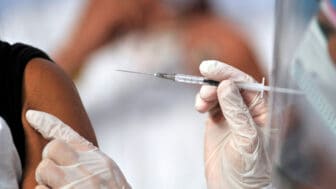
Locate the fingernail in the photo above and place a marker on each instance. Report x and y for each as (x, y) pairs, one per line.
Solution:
(30, 115)
(207, 66)
(45, 152)
(200, 105)
(33, 118)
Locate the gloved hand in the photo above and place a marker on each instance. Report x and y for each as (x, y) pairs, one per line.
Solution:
(235, 155)
(69, 160)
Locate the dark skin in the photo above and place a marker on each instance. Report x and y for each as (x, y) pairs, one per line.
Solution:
(102, 21)
(202, 34)
(47, 88)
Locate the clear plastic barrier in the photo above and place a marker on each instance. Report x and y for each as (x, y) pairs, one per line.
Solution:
(305, 125)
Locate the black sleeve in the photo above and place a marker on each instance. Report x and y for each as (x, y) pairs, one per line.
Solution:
(14, 59)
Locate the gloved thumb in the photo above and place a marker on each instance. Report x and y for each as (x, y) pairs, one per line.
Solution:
(238, 116)
(51, 127)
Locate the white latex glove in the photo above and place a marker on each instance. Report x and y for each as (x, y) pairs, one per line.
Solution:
(235, 155)
(70, 161)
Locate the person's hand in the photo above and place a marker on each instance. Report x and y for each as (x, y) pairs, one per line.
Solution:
(69, 160)
(235, 155)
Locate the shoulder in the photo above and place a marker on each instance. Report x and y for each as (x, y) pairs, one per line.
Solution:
(41, 76)
(46, 87)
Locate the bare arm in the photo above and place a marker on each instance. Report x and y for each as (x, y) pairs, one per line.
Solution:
(103, 21)
(47, 88)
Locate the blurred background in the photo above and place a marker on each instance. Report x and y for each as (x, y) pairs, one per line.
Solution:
(148, 126)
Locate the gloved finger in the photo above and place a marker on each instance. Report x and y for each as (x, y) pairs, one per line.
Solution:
(91, 172)
(60, 152)
(49, 174)
(52, 128)
(237, 115)
(219, 71)
(208, 93)
(257, 106)
(258, 109)
(41, 187)
(98, 164)
(203, 106)
(77, 172)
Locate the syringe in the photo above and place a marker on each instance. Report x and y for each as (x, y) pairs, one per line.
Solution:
(259, 87)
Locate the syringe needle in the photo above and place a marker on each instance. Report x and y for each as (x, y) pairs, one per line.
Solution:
(135, 72)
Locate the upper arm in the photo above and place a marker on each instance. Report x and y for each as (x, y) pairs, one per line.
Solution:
(47, 88)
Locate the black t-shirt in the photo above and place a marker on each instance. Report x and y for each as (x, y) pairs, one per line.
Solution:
(13, 60)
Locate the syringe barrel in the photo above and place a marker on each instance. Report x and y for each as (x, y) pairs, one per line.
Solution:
(194, 80)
